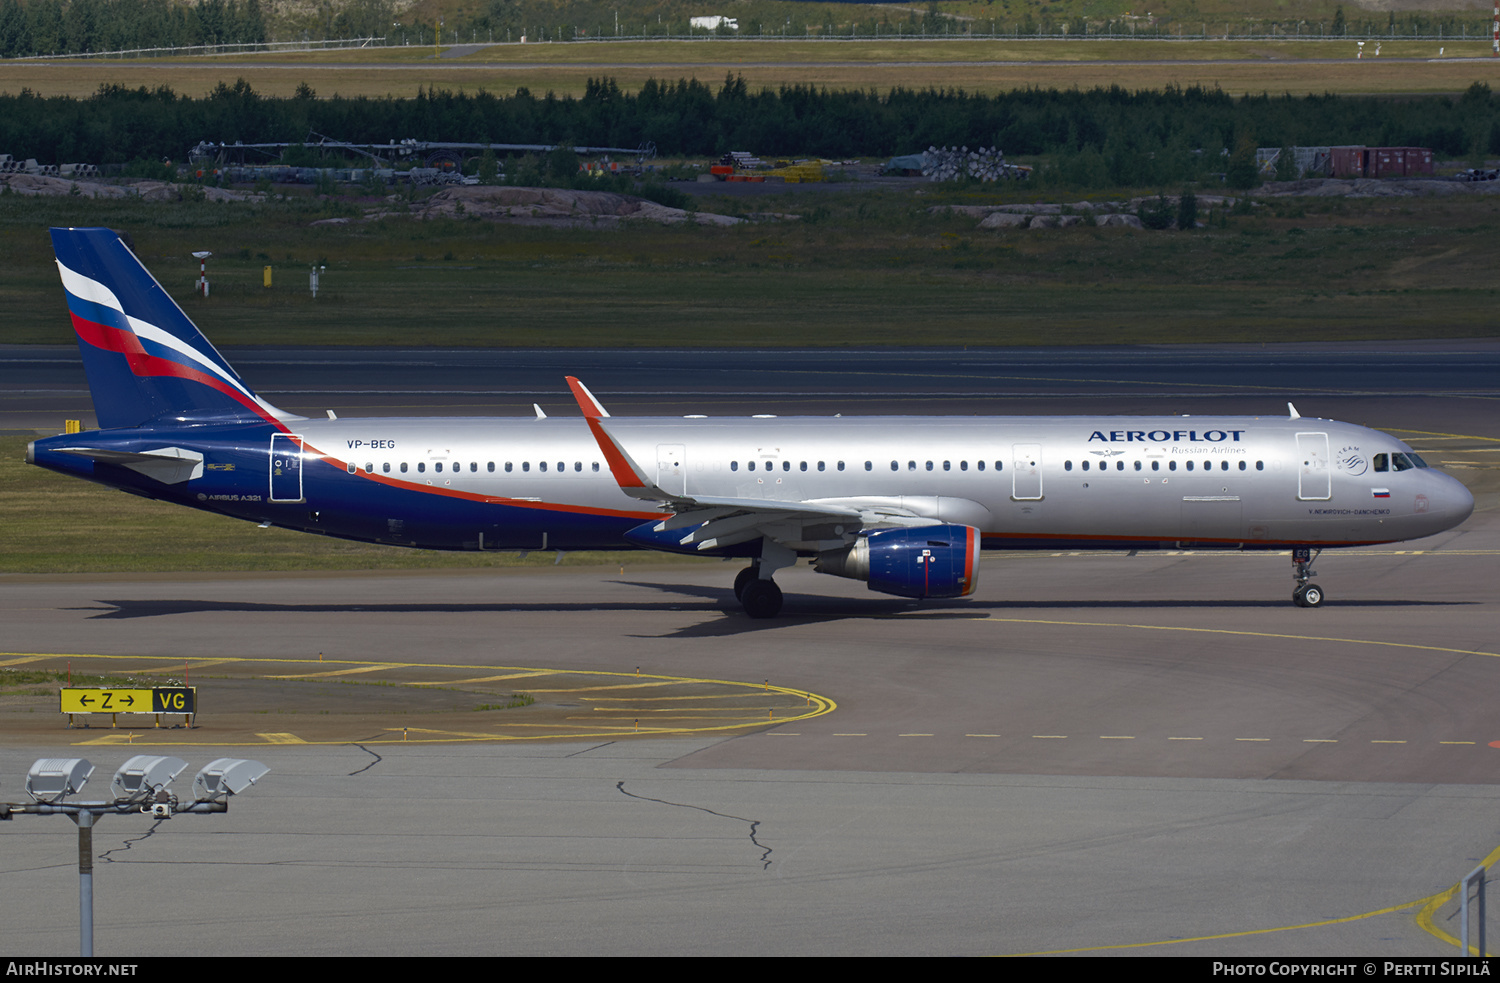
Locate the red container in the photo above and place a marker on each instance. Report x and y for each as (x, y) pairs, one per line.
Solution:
(1347, 161)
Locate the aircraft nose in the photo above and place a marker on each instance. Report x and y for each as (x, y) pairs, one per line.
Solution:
(1454, 502)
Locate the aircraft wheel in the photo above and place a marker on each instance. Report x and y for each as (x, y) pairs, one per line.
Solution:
(1312, 596)
(1297, 597)
(742, 578)
(761, 598)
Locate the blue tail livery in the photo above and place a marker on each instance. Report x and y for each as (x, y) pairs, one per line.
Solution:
(905, 504)
(145, 360)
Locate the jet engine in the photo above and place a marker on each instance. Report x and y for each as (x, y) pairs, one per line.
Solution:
(926, 561)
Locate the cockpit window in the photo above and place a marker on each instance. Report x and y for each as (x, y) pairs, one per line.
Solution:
(1397, 462)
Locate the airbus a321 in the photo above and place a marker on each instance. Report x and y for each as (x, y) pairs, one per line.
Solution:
(905, 504)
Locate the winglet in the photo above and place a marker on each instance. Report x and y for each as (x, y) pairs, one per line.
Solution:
(1292, 411)
(628, 474)
(586, 402)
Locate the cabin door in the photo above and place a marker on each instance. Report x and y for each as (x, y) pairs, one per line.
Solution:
(1314, 477)
(1026, 472)
(286, 468)
(671, 468)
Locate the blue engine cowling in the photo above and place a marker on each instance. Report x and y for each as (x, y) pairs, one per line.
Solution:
(927, 561)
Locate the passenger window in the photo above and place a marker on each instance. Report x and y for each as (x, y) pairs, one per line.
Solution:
(1155, 465)
(507, 467)
(895, 466)
(802, 466)
(979, 465)
(929, 465)
(1242, 465)
(1067, 465)
(1260, 465)
(596, 467)
(1137, 465)
(1172, 465)
(911, 465)
(786, 465)
(525, 465)
(999, 465)
(1190, 465)
(541, 466)
(386, 467)
(963, 465)
(437, 467)
(734, 465)
(403, 467)
(562, 466)
(421, 467)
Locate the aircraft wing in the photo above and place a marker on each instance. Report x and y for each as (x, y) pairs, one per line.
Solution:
(700, 523)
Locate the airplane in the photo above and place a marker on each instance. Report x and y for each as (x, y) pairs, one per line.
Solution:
(903, 503)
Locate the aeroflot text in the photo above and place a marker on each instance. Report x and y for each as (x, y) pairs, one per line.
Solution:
(1163, 436)
(1387, 968)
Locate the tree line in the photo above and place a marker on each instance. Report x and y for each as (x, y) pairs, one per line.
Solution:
(52, 27)
(1121, 136)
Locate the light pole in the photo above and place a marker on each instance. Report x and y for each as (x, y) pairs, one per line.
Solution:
(141, 785)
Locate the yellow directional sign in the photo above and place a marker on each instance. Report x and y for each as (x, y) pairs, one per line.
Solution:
(161, 699)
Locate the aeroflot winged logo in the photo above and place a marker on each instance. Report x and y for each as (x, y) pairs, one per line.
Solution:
(1168, 436)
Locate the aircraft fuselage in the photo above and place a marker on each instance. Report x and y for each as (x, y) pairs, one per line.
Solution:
(1024, 482)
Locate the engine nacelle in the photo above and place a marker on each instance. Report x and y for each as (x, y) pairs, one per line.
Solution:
(927, 561)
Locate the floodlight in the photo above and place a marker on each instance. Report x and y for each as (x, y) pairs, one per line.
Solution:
(52, 778)
(144, 773)
(226, 776)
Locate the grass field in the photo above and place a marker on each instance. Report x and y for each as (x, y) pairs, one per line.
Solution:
(1238, 67)
(861, 268)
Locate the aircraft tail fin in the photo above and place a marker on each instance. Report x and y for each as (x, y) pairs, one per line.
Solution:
(144, 357)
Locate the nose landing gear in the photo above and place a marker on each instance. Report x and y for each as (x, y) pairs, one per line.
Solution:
(1305, 595)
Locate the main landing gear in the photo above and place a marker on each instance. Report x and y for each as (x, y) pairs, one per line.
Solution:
(753, 586)
(760, 598)
(1306, 595)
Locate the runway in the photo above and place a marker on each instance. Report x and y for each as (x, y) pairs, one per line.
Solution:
(1155, 754)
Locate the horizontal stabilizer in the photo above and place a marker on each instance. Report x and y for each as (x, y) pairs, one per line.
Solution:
(169, 465)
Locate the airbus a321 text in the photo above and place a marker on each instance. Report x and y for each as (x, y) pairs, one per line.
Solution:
(905, 504)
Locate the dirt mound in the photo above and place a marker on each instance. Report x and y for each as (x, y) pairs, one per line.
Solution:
(38, 184)
(555, 205)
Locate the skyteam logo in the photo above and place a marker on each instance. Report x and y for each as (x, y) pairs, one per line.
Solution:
(1352, 460)
(1167, 436)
